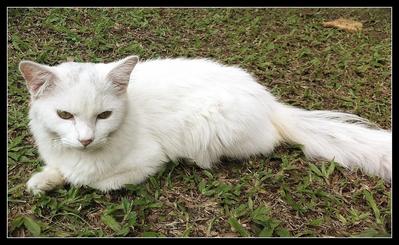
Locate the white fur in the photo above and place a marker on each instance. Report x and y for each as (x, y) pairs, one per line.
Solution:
(181, 108)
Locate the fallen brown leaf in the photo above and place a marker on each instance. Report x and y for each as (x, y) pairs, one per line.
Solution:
(344, 24)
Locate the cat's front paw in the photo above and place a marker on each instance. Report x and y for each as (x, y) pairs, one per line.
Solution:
(44, 181)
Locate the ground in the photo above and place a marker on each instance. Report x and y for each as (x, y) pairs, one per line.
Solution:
(289, 50)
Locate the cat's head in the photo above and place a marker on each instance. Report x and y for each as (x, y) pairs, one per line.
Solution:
(78, 104)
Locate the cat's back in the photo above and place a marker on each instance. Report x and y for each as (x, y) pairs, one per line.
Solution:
(191, 86)
(180, 65)
(187, 72)
(182, 82)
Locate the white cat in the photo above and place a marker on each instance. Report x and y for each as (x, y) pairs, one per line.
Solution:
(107, 125)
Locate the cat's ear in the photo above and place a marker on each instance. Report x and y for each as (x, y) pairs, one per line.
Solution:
(120, 74)
(39, 78)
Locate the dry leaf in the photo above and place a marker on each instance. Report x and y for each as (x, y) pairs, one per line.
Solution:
(344, 24)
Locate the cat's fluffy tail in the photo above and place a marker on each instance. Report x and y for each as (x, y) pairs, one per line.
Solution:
(350, 140)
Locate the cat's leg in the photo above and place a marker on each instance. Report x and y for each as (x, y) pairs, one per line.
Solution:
(45, 180)
(119, 179)
(148, 159)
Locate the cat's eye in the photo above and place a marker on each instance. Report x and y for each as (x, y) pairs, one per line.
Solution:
(64, 114)
(104, 115)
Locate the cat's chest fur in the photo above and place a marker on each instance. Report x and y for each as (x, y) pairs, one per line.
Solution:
(80, 167)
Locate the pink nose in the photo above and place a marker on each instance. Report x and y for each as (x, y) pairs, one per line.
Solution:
(86, 142)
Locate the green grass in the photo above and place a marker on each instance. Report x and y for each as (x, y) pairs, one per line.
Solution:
(283, 194)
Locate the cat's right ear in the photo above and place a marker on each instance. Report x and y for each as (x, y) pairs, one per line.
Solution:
(38, 77)
(120, 74)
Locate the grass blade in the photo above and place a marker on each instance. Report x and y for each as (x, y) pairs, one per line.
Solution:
(111, 222)
(315, 169)
(32, 226)
(373, 205)
(238, 227)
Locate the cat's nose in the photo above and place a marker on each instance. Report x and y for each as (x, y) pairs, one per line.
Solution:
(86, 142)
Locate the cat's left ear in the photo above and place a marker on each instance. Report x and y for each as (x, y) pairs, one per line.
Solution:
(120, 74)
(39, 78)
